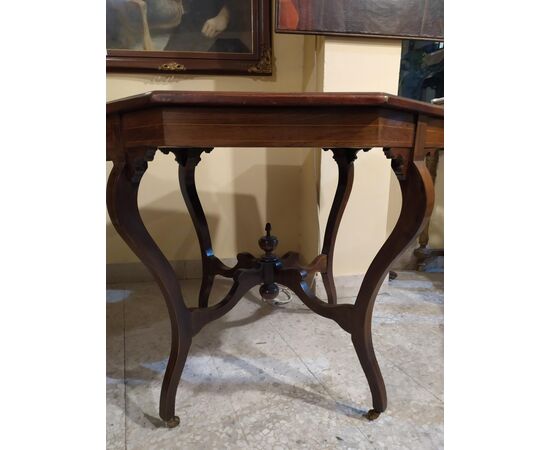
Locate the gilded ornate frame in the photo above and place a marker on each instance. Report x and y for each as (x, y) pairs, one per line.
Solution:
(258, 62)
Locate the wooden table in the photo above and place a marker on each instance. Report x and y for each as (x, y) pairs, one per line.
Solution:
(189, 123)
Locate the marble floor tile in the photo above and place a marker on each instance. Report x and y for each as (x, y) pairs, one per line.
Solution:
(290, 424)
(115, 368)
(265, 377)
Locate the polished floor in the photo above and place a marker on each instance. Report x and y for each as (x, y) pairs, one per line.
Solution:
(277, 377)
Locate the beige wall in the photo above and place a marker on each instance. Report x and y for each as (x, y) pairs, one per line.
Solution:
(360, 65)
(240, 189)
(436, 222)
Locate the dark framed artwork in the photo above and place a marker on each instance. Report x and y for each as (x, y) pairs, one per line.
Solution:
(189, 36)
(400, 19)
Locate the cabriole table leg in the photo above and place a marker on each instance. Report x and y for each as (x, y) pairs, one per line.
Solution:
(344, 157)
(418, 195)
(188, 159)
(122, 191)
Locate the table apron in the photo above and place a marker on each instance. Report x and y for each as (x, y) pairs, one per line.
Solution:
(274, 127)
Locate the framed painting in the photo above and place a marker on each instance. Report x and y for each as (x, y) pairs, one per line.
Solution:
(400, 19)
(189, 36)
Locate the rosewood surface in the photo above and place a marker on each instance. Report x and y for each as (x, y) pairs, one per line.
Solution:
(190, 123)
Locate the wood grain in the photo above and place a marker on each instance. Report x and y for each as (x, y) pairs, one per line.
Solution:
(188, 123)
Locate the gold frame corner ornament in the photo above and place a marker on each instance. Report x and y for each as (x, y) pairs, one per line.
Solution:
(173, 66)
(264, 65)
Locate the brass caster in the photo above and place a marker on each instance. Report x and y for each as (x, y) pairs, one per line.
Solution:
(173, 422)
(372, 415)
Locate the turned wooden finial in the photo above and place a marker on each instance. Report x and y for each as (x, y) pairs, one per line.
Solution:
(268, 243)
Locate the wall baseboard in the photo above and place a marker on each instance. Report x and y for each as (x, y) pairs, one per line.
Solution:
(136, 272)
(346, 286)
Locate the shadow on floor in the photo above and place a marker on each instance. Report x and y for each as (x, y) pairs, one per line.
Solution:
(144, 314)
